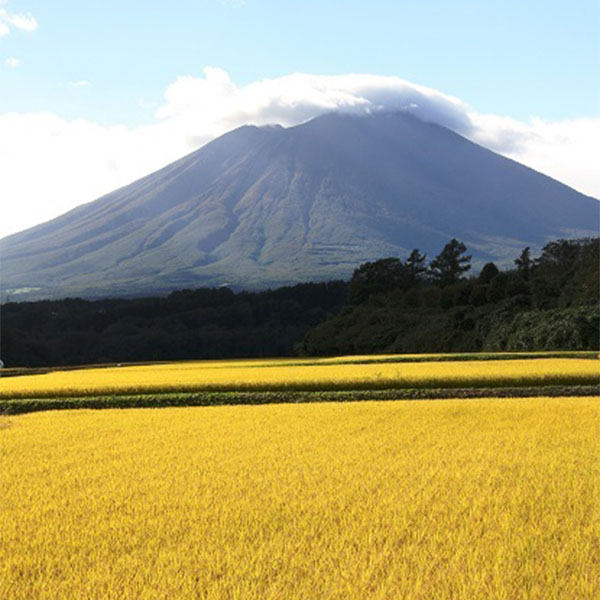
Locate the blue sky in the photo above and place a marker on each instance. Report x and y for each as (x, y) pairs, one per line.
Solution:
(512, 57)
(105, 67)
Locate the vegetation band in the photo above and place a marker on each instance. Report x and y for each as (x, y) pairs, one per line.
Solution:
(220, 398)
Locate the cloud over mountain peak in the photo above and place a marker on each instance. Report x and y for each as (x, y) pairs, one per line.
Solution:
(75, 161)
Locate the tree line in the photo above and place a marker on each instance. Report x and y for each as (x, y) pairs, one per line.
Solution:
(392, 273)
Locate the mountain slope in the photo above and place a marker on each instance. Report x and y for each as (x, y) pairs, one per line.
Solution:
(260, 207)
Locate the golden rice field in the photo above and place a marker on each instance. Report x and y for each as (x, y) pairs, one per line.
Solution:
(459, 499)
(274, 375)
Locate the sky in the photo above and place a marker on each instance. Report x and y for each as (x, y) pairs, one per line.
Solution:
(95, 95)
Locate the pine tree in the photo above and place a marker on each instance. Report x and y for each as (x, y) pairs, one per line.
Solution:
(524, 263)
(415, 264)
(448, 266)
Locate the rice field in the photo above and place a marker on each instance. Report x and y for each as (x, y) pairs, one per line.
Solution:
(454, 499)
(342, 374)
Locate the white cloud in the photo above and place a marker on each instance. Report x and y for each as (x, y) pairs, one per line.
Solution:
(566, 150)
(12, 63)
(8, 20)
(213, 104)
(49, 164)
(79, 84)
(23, 22)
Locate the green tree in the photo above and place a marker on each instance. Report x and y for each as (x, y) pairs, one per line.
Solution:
(415, 265)
(377, 277)
(489, 271)
(524, 263)
(449, 265)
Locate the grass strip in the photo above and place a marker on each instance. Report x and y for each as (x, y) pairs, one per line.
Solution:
(220, 398)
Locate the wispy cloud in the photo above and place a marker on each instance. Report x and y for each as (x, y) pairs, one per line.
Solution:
(75, 161)
(233, 3)
(10, 20)
(80, 83)
(12, 63)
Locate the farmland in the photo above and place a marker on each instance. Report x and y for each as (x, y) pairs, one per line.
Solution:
(460, 499)
(493, 497)
(298, 380)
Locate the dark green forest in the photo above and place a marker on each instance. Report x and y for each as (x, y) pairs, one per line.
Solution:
(187, 324)
(549, 302)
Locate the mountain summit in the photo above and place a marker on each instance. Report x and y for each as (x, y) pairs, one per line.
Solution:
(267, 206)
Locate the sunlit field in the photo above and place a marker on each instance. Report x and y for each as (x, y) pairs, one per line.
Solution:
(456, 499)
(325, 375)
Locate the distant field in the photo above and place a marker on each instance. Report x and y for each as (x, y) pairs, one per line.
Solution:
(341, 374)
(422, 500)
(355, 359)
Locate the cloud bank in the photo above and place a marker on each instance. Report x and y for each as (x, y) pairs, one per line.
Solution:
(49, 164)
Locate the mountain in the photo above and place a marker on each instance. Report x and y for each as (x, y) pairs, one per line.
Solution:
(267, 206)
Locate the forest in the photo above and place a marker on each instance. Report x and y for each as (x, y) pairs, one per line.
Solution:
(549, 302)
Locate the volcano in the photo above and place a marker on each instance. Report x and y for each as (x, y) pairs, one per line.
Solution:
(267, 206)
